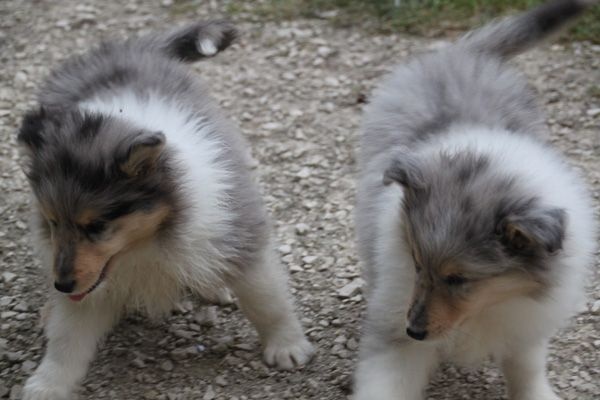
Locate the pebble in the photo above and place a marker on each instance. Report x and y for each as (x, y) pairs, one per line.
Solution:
(28, 366)
(592, 112)
(302, 228)
(166, 365)
(209, 394)
(351, 288)
(15, 392)
(138, 362)
(595, 308)
(285, 249)
(8, 277)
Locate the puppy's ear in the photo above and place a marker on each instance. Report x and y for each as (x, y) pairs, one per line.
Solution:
(405, 171)
(30, 137)
(537, 229)
(142, 154)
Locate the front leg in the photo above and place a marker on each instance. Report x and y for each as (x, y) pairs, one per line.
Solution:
(525, 373)
(73, 331)
(262, 292)
(395, 372)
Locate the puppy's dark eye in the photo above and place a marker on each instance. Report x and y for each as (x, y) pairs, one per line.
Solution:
(94, 228)
(455, 280)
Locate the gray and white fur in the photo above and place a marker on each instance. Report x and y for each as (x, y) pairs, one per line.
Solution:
(475, 234)
(126, 134)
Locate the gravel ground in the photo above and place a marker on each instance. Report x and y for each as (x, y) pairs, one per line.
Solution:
(295, 89)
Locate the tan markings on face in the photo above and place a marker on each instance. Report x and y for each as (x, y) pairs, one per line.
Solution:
(86, 217)
(127, 231)
(501, 288)
(446, 311)
(47, 212)
(450, 268)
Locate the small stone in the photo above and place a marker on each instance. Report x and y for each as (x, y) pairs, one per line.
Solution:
(325, 51)
(351, 289)
(138, 362)
(15, 392)
(352, 344)
(209, 394)
(221, 381)
(166, 365)
(8, 277)
(272, 126)
(304, 173)
(206, 316)
(295, 268)
(592, 112)
(21, 307)
(28, 366)
(302, 228)
(331, 81)
(595, 308)
(151, 395)
(309, 259)
(183, 334)
(7, 314)
(285, 249)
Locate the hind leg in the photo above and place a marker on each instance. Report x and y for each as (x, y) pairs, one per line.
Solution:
(262, 292)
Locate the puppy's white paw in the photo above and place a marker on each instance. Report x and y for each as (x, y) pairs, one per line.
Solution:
(288, 354)
(40, 388)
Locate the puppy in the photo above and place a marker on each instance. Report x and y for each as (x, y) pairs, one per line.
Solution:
(475, 233)
(142, 190)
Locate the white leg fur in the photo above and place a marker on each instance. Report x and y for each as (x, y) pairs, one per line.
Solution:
(73, 332)
(400, 373)
(525, 372)
(262, 292)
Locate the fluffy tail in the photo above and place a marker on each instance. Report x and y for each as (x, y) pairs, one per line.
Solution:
(193, 42)
(513, 35)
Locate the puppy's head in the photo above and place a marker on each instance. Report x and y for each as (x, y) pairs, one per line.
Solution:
(101, 187)
(477, 238)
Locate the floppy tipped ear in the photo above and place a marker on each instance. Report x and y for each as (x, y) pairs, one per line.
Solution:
(406, 172)
(143, 153)
(539, 229)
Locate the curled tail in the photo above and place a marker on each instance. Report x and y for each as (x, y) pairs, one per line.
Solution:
(193, 42)
(513, 35)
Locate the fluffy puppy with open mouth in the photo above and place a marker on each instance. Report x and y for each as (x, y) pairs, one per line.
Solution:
(474, 232)
(142, 190)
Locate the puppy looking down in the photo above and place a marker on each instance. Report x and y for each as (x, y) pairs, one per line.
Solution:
(474, 232)
(142, 190)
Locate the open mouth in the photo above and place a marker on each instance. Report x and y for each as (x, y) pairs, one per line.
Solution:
(103, 273)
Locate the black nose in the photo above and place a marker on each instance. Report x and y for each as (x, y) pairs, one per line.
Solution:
(65, 287)
(417, 335)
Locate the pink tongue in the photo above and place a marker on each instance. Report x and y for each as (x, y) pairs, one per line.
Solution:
(77, 297)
